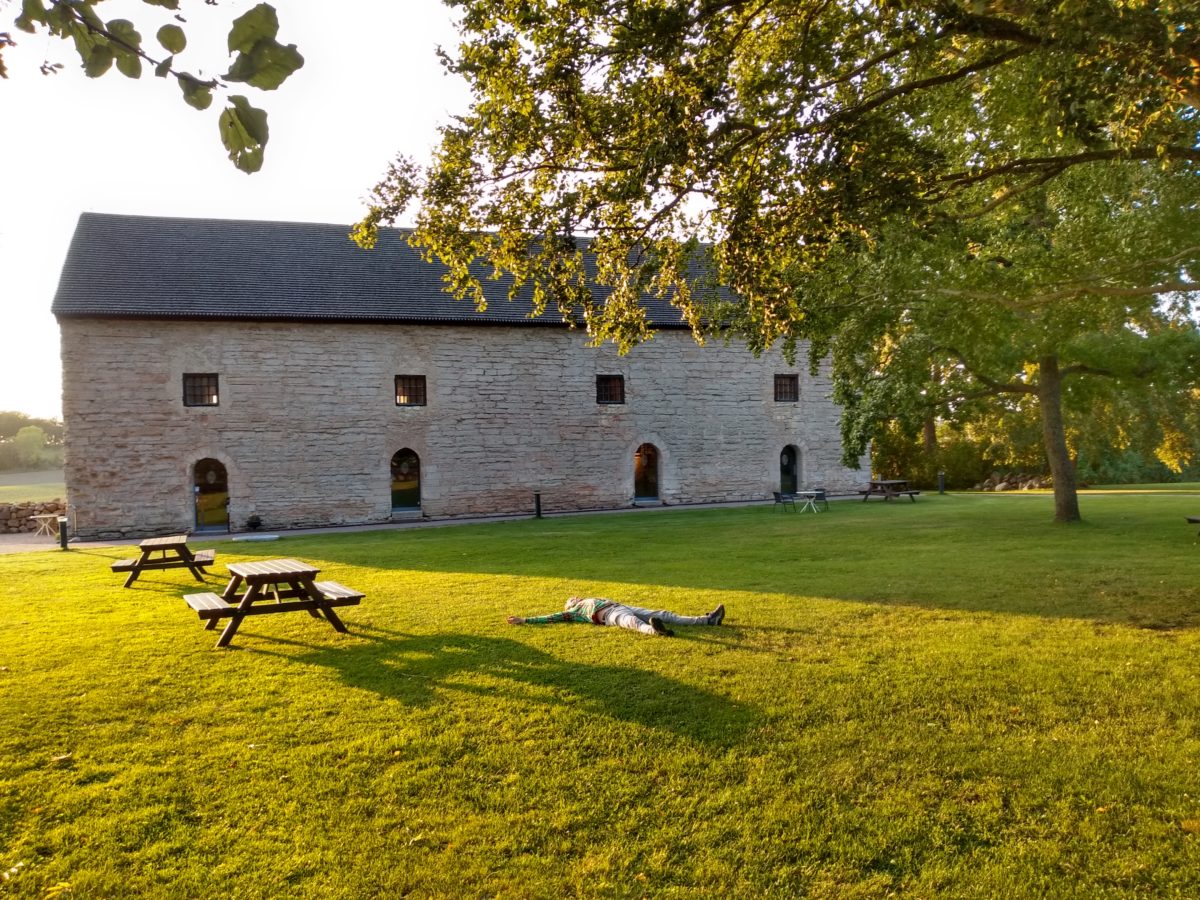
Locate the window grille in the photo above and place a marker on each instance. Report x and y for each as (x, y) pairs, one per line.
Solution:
(787, 388)
(410, 390)
(201, 389)
(610, 388)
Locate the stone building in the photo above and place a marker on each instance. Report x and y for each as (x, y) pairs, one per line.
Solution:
(236, 374)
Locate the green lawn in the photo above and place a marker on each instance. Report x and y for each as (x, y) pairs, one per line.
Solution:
(16, 487)
(1184, 487)
(948, 698)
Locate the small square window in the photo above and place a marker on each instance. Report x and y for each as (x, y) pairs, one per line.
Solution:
(610, 388)
(410, 390)
(787, 388)
(201, 390)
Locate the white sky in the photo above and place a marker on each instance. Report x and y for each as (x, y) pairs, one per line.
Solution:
(371, 87)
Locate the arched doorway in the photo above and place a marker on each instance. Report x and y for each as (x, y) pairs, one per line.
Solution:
(645, 473)
(789, 470)
(406, 480)
(210, 486)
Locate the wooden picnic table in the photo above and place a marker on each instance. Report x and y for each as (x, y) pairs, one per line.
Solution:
(887, 488)
(173, 553)
(291, 584)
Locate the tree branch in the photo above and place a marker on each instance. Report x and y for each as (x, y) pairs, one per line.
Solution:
(137, 51)
(1011, 193)
(1148, 290)
(902, 90)
(1036, 164)
(993, 386)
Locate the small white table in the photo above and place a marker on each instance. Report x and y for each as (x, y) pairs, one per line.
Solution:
(47, 525)
(808, 500)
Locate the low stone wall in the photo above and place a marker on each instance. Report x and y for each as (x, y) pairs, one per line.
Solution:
(18, 517)
(1016, 481)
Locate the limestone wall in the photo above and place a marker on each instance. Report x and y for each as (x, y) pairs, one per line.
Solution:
(307, 422)
(19, 517)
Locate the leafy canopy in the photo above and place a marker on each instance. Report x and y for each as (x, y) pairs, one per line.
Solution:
(776, 133)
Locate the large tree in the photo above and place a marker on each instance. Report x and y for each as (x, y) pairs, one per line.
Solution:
(259, 60)
(799, 141)
(1066, 298)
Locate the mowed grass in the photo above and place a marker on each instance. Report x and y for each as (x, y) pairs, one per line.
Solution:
(17, 487)
(948, 698)
(1182, 487)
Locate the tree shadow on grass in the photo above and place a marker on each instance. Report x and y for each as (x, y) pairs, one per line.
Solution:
(425, 670)
(964, 555)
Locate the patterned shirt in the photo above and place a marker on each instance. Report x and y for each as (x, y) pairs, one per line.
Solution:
(576, 609)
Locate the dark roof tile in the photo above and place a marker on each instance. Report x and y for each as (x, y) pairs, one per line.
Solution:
(153, 267)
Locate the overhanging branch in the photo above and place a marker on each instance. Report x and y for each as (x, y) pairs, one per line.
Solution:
(993, 386)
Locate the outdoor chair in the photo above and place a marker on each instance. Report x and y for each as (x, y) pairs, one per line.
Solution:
(819, 497)
(784, 501)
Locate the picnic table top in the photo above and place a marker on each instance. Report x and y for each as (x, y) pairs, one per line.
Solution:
(161, 543)
(265, 568)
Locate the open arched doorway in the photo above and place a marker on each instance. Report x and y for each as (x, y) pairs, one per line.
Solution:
(645, 473)
(406, 481)
(789, 470)
(210, 487)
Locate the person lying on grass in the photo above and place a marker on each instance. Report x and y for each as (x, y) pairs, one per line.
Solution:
(601, 611)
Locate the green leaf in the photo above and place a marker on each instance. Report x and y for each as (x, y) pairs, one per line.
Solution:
(126, 42)
(266, 66)
(31, 11)
(98, 61)
(262, 61)
(172, 38)
(166, 4)
(86, 10)
(129, 65)
(125, 32)
(244, 133)
(196, 93)
(259, 23)
(163, 69)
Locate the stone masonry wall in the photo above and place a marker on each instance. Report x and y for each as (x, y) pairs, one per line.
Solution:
(307, 422)
(19, 517)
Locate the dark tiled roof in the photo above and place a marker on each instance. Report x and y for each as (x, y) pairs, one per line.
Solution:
(151, 267)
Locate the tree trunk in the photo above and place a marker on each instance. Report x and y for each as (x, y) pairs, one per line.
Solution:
(929, 434)
(1054, 437)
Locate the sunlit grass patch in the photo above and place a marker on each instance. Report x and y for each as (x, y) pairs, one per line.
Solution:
(955, 697)
(36, 487)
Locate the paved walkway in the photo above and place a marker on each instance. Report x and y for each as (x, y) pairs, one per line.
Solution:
(20, 543)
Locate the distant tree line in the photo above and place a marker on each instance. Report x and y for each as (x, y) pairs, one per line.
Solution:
(29, 443)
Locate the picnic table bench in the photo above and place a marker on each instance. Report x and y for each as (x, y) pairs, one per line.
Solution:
(888, 488)
(291, 584)
(173, 553)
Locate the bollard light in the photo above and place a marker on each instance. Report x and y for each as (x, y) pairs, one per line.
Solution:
(941, 482)
(62, 532)
(537, 504)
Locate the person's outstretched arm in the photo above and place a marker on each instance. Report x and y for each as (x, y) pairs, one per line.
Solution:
(543, 620)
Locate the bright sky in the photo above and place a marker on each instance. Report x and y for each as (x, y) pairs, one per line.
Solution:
(371, 87)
